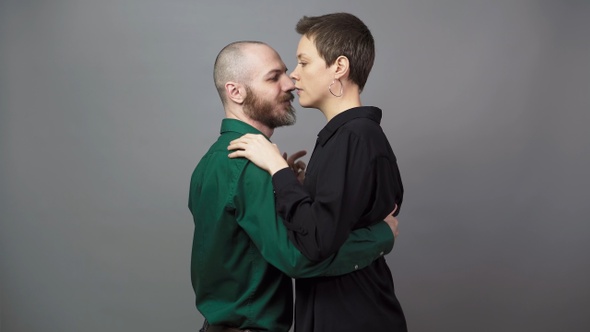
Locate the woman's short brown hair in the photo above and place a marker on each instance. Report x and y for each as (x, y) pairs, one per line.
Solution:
(341, 34)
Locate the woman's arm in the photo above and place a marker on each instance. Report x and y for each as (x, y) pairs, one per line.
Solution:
(318, 225)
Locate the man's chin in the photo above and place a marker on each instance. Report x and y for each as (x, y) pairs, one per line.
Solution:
(289, 122)
(289, 119)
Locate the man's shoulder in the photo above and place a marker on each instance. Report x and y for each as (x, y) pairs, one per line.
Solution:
(216, 159)
(219, 147)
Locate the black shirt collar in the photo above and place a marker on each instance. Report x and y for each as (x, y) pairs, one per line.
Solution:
(369, 112)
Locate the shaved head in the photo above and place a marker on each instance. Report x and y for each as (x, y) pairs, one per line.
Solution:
(231, 65)
(253, 84)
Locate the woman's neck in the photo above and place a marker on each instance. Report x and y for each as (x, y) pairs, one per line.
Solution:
(337, 105)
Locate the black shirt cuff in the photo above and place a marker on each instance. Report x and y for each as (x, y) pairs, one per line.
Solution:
(283, 178)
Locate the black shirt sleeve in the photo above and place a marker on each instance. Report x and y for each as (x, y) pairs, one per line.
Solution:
(344, 183)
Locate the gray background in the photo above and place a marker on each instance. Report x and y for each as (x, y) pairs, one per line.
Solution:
(106, 106)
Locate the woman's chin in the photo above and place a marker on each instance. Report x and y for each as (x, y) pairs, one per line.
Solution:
(304, 103)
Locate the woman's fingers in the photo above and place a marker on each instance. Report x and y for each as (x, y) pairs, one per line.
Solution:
(291, 160)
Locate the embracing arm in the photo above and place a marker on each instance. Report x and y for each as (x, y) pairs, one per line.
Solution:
(319, 225)
(256, 215)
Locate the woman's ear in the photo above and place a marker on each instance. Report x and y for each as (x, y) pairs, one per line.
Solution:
(235, 92)
(342, 68)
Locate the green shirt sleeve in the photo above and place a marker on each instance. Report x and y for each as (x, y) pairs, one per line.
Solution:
(256, 214)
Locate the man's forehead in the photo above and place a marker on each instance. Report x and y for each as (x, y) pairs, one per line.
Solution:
(273, 68)
(266, 61)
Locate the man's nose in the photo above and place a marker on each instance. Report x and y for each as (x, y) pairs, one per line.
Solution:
(288, 84)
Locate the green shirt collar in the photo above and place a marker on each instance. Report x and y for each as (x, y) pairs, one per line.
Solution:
(240, 127)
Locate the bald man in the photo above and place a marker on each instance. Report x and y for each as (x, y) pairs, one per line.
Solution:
(242, 260)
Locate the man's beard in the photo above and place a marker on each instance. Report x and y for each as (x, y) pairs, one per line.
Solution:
(263, 111)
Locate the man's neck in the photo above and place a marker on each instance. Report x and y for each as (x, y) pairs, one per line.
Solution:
(239, 115)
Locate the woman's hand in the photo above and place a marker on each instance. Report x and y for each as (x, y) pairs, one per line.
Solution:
(258, 150)
(298, 166)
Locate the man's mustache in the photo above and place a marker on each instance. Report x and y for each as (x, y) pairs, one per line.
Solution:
(288, 97)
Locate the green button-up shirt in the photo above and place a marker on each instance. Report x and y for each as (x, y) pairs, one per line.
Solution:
(242, 259)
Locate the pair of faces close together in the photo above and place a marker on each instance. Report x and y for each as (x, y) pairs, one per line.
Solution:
(332, 68)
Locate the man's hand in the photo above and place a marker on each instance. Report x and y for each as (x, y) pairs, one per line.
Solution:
(392, 222)
(298, 166)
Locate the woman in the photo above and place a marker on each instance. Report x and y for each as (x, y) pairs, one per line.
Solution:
(352, 179)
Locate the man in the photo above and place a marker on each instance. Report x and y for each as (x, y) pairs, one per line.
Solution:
(242, 258)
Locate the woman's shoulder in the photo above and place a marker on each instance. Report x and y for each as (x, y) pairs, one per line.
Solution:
(363, 128)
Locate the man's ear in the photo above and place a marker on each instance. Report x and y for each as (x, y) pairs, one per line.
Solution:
(235, 92)
(341, 67)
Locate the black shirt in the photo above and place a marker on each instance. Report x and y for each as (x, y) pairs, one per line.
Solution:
(352, 181)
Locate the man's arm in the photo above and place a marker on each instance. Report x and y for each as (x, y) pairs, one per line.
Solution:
(258, 218)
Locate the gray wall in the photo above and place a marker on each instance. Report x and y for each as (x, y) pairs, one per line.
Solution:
(106, 106)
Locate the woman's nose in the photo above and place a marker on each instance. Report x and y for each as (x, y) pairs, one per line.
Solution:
(293, 74)
(288, 85)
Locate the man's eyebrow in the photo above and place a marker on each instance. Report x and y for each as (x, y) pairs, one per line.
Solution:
(276, 71)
